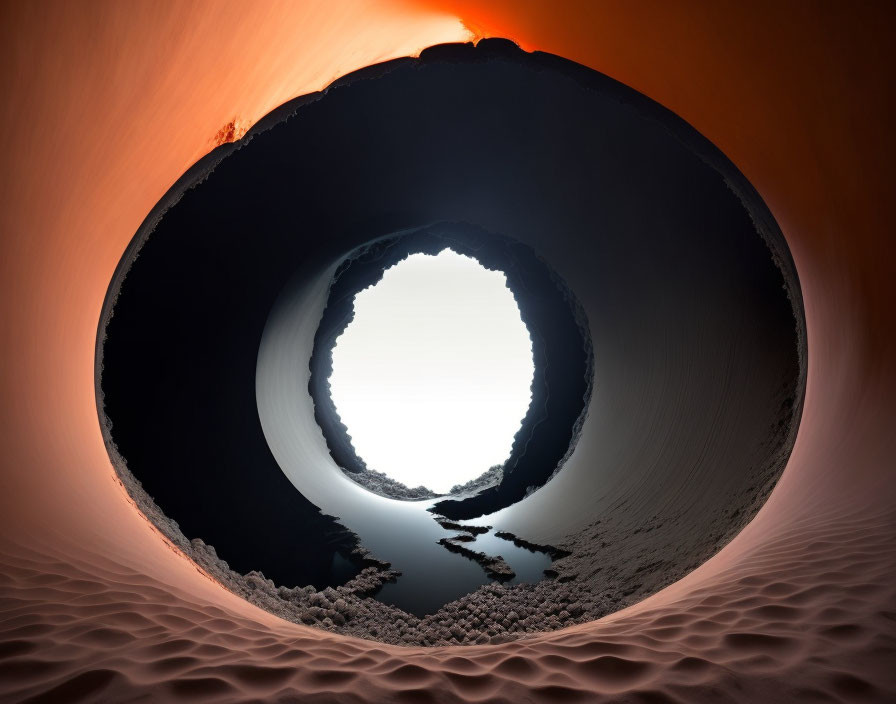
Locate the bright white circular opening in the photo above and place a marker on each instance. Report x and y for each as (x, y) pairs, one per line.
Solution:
(433, 375)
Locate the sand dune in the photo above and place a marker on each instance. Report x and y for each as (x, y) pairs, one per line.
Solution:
(805, 618)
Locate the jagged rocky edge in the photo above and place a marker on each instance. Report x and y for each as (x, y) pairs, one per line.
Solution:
(589, 583)
(493, 613)
(567, 606)
(326, 414)
(386, 252)
(494, 565)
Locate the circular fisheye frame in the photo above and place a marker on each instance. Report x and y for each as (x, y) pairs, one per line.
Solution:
(667, 340)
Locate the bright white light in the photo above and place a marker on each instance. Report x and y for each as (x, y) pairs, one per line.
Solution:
(432, 378)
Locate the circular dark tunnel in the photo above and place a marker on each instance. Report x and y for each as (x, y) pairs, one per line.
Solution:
(561, 348)
(663, 304)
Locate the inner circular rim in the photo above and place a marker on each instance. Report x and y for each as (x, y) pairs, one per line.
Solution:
(546, 306)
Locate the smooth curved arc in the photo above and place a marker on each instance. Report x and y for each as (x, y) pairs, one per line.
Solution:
(399, 532)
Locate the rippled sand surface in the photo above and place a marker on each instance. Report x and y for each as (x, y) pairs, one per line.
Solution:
(807, 617)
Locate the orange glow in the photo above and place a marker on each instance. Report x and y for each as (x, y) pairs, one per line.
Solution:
(113, 103)
(794, 96)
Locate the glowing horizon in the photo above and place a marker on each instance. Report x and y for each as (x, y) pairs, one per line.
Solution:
(433, 375)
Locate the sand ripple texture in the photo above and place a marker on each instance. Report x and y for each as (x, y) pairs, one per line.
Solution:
(807, 617)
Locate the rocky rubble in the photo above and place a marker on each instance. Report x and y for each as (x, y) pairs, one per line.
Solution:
(494, 566)
(601, 569)
(381, 484)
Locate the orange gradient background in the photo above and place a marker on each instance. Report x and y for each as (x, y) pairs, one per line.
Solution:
(105, 104)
